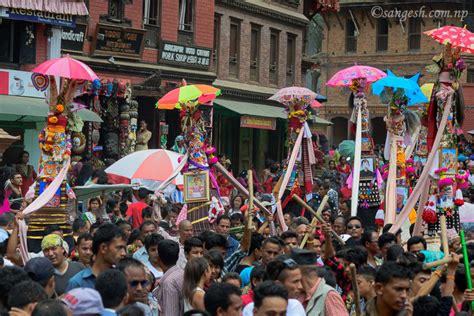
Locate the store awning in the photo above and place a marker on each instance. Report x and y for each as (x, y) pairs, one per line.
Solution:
(26, 109)
(250, 108)
(22, 109)
(74, 7)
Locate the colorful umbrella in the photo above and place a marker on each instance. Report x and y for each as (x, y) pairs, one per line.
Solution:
(199, 92)
(148, 167)
(347, 148)
(456, 36)
(288, 94)
(412, 90)
(66, 67)
(345, 76)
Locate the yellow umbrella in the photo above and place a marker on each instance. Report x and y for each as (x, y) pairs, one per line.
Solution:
(427, 89)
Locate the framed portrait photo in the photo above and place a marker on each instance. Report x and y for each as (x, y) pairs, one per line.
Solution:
(367, 167)
(196, 187)
(448, 158)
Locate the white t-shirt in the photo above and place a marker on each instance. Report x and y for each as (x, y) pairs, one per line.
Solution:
(157, 274)
(295, 308)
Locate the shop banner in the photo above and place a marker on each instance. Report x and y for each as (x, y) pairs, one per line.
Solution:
(190, 56)
(38, 16)
(258, 122)
(19, 83)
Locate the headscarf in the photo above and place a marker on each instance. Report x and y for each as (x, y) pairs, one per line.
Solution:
(176, 147)
(53, 240)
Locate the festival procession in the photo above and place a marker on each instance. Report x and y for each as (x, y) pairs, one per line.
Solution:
(227, 158)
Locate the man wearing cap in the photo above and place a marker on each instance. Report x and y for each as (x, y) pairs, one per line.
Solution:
(55, 249)
(41, 270)
(108, 247)
(83, 301)
(319, 298)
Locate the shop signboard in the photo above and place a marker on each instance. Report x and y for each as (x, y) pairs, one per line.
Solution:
(72, 38)
(258, 122)
(20, 83)
(112, 40)
(189, 56)
(38, 16)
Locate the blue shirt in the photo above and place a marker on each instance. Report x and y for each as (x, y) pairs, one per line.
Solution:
(85, 278)
(232, 246)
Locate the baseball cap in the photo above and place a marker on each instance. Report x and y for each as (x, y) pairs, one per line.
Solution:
(304, 256)
(83, 301)
(39, 269)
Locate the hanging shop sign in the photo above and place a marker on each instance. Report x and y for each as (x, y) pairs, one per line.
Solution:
(38, 16)
(258, 122)
(72, 38)
(113, 40)
(189, 56)
(22, 83)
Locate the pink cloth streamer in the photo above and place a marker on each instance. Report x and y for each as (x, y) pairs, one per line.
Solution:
(413, 198)
(183, 214)
(419, 220)
(38, 203)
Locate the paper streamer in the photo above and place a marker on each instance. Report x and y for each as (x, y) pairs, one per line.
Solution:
(391, 192)
(356, 170)
(38, 203)
(413, 198)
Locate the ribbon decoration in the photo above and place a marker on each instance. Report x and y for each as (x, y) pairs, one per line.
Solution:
(419, 219)
(413, 198)
(38, 203)
(357, 159)
(391, 192)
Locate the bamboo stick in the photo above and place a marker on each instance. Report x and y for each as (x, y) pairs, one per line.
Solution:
(437, 263)
(444, 235)
(355, 289)
(320, 219)
(428, 286)
(314, 220)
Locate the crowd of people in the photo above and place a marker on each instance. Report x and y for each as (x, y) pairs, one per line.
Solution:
(133, 254)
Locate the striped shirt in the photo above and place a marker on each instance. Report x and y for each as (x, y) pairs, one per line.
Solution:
(170, 292)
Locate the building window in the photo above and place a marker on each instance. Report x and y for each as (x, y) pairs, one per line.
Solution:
(186, 14)
(351, 37)
(470, 76)
(151, 12)
(382, 35)
(414, 33)
(217, 36)
(234, 49)
(274, 49)
(254, 52)
(290, 59)
(117, 9)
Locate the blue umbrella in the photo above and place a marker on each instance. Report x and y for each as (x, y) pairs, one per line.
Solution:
(411, 87)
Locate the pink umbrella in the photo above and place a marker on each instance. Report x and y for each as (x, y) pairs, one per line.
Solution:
(288, 94)
(345, 76)
(66, 67)
(147, 167)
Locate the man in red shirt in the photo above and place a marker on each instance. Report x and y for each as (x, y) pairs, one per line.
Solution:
(134, 210)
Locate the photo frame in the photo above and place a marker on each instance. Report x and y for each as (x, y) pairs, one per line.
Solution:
(366, 144)
(367, 167)
(196, 187)
(448, 158)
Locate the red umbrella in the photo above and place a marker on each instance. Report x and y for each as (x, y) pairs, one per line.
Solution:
(66, 67)
(456, 36)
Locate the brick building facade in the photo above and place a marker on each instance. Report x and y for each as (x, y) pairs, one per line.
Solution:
(258, 49)
(355, 36)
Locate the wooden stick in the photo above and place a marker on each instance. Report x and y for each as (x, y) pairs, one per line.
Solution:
(437, 263)
(250, 186)
(355, 289)
(444, 234)
(314, 220)
(320, 219)
(428, 286)
(238, 185)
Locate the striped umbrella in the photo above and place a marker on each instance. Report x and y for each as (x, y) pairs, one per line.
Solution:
(199, 92)
(148, 167)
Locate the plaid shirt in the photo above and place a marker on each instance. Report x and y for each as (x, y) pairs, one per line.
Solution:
(231, 262)
(342, 279)
(170, 292)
